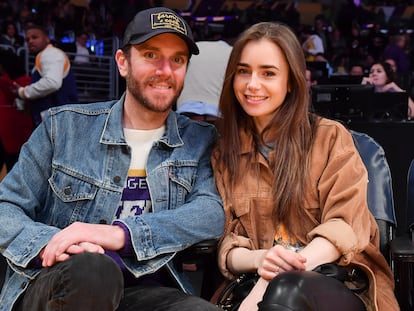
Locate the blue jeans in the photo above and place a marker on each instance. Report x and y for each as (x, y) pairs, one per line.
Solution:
(90, 281)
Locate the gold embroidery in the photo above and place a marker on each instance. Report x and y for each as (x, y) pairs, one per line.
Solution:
(168, 20)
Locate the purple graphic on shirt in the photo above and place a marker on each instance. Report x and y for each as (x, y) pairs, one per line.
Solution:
(135, 199)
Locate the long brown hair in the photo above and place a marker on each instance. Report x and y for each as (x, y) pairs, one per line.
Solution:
(291, 129)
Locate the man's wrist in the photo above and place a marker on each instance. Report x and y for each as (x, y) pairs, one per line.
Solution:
(127, 249)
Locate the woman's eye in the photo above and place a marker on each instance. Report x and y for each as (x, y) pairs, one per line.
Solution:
(269, 74)
(241, 71)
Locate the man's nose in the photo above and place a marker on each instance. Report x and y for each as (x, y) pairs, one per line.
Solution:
(164, 67)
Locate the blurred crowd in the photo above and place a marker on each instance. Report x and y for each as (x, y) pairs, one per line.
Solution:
(351, 31)
(101, 17)
(346, 35)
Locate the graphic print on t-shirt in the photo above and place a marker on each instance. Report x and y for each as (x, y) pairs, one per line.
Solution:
(284, 238)
(135, 199)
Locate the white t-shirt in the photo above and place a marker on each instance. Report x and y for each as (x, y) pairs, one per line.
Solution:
(135, 199)
(82, 54)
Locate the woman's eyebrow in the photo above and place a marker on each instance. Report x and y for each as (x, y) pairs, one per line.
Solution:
(261, 66)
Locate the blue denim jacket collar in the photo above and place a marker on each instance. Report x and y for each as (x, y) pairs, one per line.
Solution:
(113, 134)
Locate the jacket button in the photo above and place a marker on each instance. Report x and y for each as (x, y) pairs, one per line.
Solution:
(117, 179)
(103, 222)
(67, 190)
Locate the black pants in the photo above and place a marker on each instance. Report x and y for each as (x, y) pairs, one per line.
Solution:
(308, 291)
(90, 281)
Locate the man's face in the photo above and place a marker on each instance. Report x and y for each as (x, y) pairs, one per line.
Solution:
(36, 40)
(82, 39)
(392, 63)
(356, 71)
(155, 71)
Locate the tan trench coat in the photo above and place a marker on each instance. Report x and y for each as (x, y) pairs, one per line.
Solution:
(335, 204)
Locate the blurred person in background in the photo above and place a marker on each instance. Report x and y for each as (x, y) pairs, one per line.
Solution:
(53, 83)
(15, 123)
(10, 36)
(396, 51)
(204, 79)
(382, 77)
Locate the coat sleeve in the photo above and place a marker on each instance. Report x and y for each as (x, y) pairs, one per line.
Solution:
(229, 239)
(345, 219)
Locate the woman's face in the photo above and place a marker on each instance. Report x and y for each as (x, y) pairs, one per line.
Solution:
(378, 75)
(261, 80)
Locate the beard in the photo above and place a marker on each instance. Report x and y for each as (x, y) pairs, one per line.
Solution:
(156, 104)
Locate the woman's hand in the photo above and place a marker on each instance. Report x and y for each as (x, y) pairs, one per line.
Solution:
(366, 80)
(279, 259)
(392, 87)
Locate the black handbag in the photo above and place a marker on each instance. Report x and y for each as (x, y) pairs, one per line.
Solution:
(234, 293)
(353, 277)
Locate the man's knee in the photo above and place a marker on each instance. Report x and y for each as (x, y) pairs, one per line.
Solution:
(86, 281)
(96, 270)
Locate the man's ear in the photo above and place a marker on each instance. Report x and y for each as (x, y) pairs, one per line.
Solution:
(122, 62)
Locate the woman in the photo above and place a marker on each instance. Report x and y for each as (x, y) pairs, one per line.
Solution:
(11, 37)
(293, 186)
(382, 76)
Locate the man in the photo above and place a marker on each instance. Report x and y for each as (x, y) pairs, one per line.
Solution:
(53, 83)
(203, 81)
(81, 51)
(356, 70)
(312, 44)
(396, 50)
(105, 195)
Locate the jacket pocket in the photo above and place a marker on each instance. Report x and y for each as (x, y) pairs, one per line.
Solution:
(70, 188)
(72, 200)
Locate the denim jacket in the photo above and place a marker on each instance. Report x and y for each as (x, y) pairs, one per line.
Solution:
(73, 168)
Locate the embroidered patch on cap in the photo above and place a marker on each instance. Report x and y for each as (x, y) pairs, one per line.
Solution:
(168, 20)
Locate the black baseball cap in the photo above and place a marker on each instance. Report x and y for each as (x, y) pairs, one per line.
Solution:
(152, 22)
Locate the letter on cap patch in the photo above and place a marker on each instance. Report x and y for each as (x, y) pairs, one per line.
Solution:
(167, 20)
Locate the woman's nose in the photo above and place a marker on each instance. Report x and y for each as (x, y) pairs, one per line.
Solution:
(253, 82)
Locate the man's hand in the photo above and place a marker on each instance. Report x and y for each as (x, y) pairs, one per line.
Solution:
(80, 237)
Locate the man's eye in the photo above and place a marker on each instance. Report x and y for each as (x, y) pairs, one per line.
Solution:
(178, 60)
(150, 55)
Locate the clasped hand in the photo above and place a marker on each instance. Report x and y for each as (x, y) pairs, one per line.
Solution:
(279, 259)
(82, 237)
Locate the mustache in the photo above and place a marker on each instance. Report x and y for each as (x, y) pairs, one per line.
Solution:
(156, 79)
